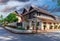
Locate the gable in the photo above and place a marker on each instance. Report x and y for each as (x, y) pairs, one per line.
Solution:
(24, 11)
(31, 8)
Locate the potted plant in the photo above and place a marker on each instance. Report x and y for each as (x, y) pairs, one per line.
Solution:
(51, 26)
(55, 26)
(44, 27)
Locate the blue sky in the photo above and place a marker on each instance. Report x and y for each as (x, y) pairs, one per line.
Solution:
(7, 6)
(49, 3)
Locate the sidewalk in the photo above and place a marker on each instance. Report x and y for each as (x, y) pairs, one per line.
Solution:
(41, 31)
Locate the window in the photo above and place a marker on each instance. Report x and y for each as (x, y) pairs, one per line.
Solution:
(54, 23)
(19, 24)
(44, 22)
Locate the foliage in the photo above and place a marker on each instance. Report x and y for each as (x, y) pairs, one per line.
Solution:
(11, 18)
(21, 28)
(1, 21)
(51, 26)
(55, 26)
(58, 2)
(1, 16)
(44, 26)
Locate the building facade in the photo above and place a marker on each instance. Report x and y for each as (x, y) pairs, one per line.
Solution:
(38, 18)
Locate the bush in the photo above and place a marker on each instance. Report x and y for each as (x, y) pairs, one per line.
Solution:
(11, 18)
(21, 28)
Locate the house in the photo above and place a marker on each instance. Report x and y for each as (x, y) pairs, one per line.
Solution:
(38, 18)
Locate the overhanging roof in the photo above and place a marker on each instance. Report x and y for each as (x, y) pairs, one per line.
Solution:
(39, 10)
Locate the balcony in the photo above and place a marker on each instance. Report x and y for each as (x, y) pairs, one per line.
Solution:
(43, 16)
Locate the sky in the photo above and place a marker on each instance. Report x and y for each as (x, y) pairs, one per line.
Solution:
(8, 6)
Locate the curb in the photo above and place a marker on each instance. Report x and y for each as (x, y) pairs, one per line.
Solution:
(17, 31)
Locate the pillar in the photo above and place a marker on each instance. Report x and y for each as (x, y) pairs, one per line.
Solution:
(58, 26)
(47, 24)
(35, 25)
(30, 24)
(23, 24)
(42, 28)
(39, 27)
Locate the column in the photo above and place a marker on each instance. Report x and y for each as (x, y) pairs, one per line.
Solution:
(39, 27)
(30, 25)
(42, 28)
(23, 24)
(58, 26)
(47, 24)
(35, 25)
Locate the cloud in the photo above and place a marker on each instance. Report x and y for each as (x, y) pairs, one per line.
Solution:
(3, 1)
(8, 6)
(22, 0)
(11, 6)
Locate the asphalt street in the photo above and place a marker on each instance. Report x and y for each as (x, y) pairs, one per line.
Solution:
(8, 36)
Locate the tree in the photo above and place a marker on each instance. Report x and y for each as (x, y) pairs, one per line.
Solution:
(1, 18)
(58, 2)
(11, 18)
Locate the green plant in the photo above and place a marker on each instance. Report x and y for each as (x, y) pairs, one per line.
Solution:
(37, 24)
(58, 2)
(11, 18)
(44, 26)
(1, 21)
(55, 26)
(51, 26)
(21, 28)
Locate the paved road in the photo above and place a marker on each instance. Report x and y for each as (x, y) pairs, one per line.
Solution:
(8, 36)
